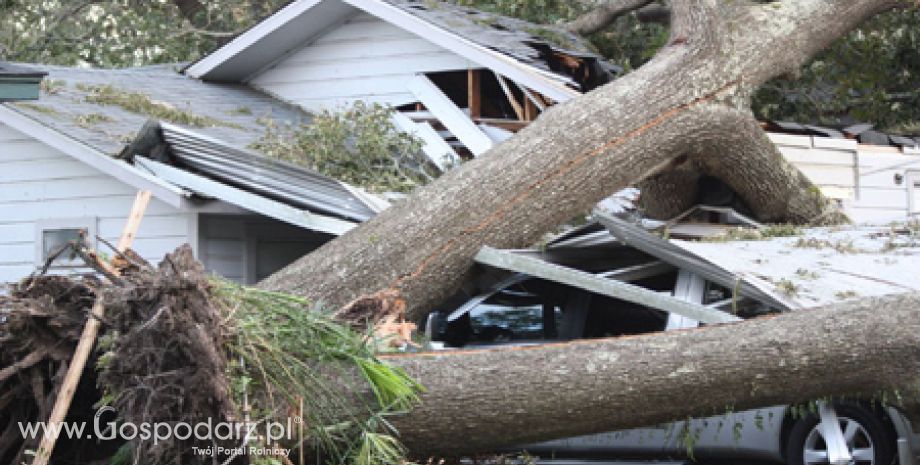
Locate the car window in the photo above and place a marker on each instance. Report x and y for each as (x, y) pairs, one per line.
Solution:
(493, 322)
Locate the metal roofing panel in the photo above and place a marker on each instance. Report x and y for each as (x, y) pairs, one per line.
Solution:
(281, 181)
(823, 265)
(664, 250)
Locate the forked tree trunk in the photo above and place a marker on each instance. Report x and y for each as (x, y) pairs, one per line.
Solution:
(686, 99)
(685, 109)
(480, 400)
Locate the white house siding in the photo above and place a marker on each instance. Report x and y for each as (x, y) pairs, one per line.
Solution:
(864, 177)
(248, 248)
(39, 184)
(364, 58)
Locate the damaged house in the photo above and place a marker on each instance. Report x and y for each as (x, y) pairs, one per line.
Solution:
(461, 80)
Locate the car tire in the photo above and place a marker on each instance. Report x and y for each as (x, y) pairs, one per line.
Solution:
(871, 432)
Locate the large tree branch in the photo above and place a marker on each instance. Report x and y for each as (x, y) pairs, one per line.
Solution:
(484, 396)
(740, 154)
(600, 17)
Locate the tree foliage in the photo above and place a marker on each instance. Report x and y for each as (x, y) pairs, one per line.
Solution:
(358, 144)
(119, 33)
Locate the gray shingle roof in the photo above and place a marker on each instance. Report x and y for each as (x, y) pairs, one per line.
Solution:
(530, 43)
(234, 112)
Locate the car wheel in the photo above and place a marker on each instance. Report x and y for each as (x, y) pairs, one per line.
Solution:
(866, 436)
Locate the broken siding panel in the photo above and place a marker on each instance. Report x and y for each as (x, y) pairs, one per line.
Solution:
(57, 187)
(365, 59)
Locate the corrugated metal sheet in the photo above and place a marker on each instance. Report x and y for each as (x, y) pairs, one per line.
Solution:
(274, 179)
(664, 250)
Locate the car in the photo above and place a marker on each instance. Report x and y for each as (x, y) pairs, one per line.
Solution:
(526, 310)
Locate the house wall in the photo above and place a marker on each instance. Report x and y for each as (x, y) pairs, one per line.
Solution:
(40, 185)
(247, 248)
(364, 58)
(864, 177)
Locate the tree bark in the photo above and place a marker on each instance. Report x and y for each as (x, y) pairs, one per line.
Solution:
(577, 153)
(499, 397)
(605, 13)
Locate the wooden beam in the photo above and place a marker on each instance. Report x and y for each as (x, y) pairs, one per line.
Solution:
(87, 339)
(435, 148)
(453, 118)
(474, 92)
(518, 110)
(530, 110)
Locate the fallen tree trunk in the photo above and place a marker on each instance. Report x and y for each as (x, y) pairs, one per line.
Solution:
(494, 398)
(580, 152)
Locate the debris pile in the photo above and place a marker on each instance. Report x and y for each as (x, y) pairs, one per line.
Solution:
(178, 346)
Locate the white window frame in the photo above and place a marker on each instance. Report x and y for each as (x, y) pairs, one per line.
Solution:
(90, 224)
(911, 179)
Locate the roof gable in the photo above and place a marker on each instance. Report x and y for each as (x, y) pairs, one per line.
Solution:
(508, 47)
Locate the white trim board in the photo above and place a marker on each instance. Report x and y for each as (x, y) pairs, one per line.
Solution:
(553, 86)
(247, 200)
(117, 169)
(453, 118)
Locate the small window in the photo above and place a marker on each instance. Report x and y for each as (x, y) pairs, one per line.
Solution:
(53, 235)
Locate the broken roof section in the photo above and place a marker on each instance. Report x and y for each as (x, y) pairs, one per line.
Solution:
(286, 183)
(544, 47)
(105, 108)
(803, 269)
(528, 53)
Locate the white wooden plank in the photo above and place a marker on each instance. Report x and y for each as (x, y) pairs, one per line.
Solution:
(30, 170)
(152, 226)
(75, 208)
(27, 149)
(498, 135)
(59, 189)
(884, 179)
(359, 50)
(827, 175)
(249, 201)
(118, 169)
(334, 103)
(790, 140)
(438, 151)
(818, 156)
(361, 31)
(17, 233)
(344, 87)
(11, 273)
(875, 215)
(400, 64)
(17, 253)
(839, 144)
(881, 198)
(452, 117)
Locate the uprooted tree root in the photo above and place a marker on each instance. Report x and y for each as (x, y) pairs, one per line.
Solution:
(178, 346)
(40, 324)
